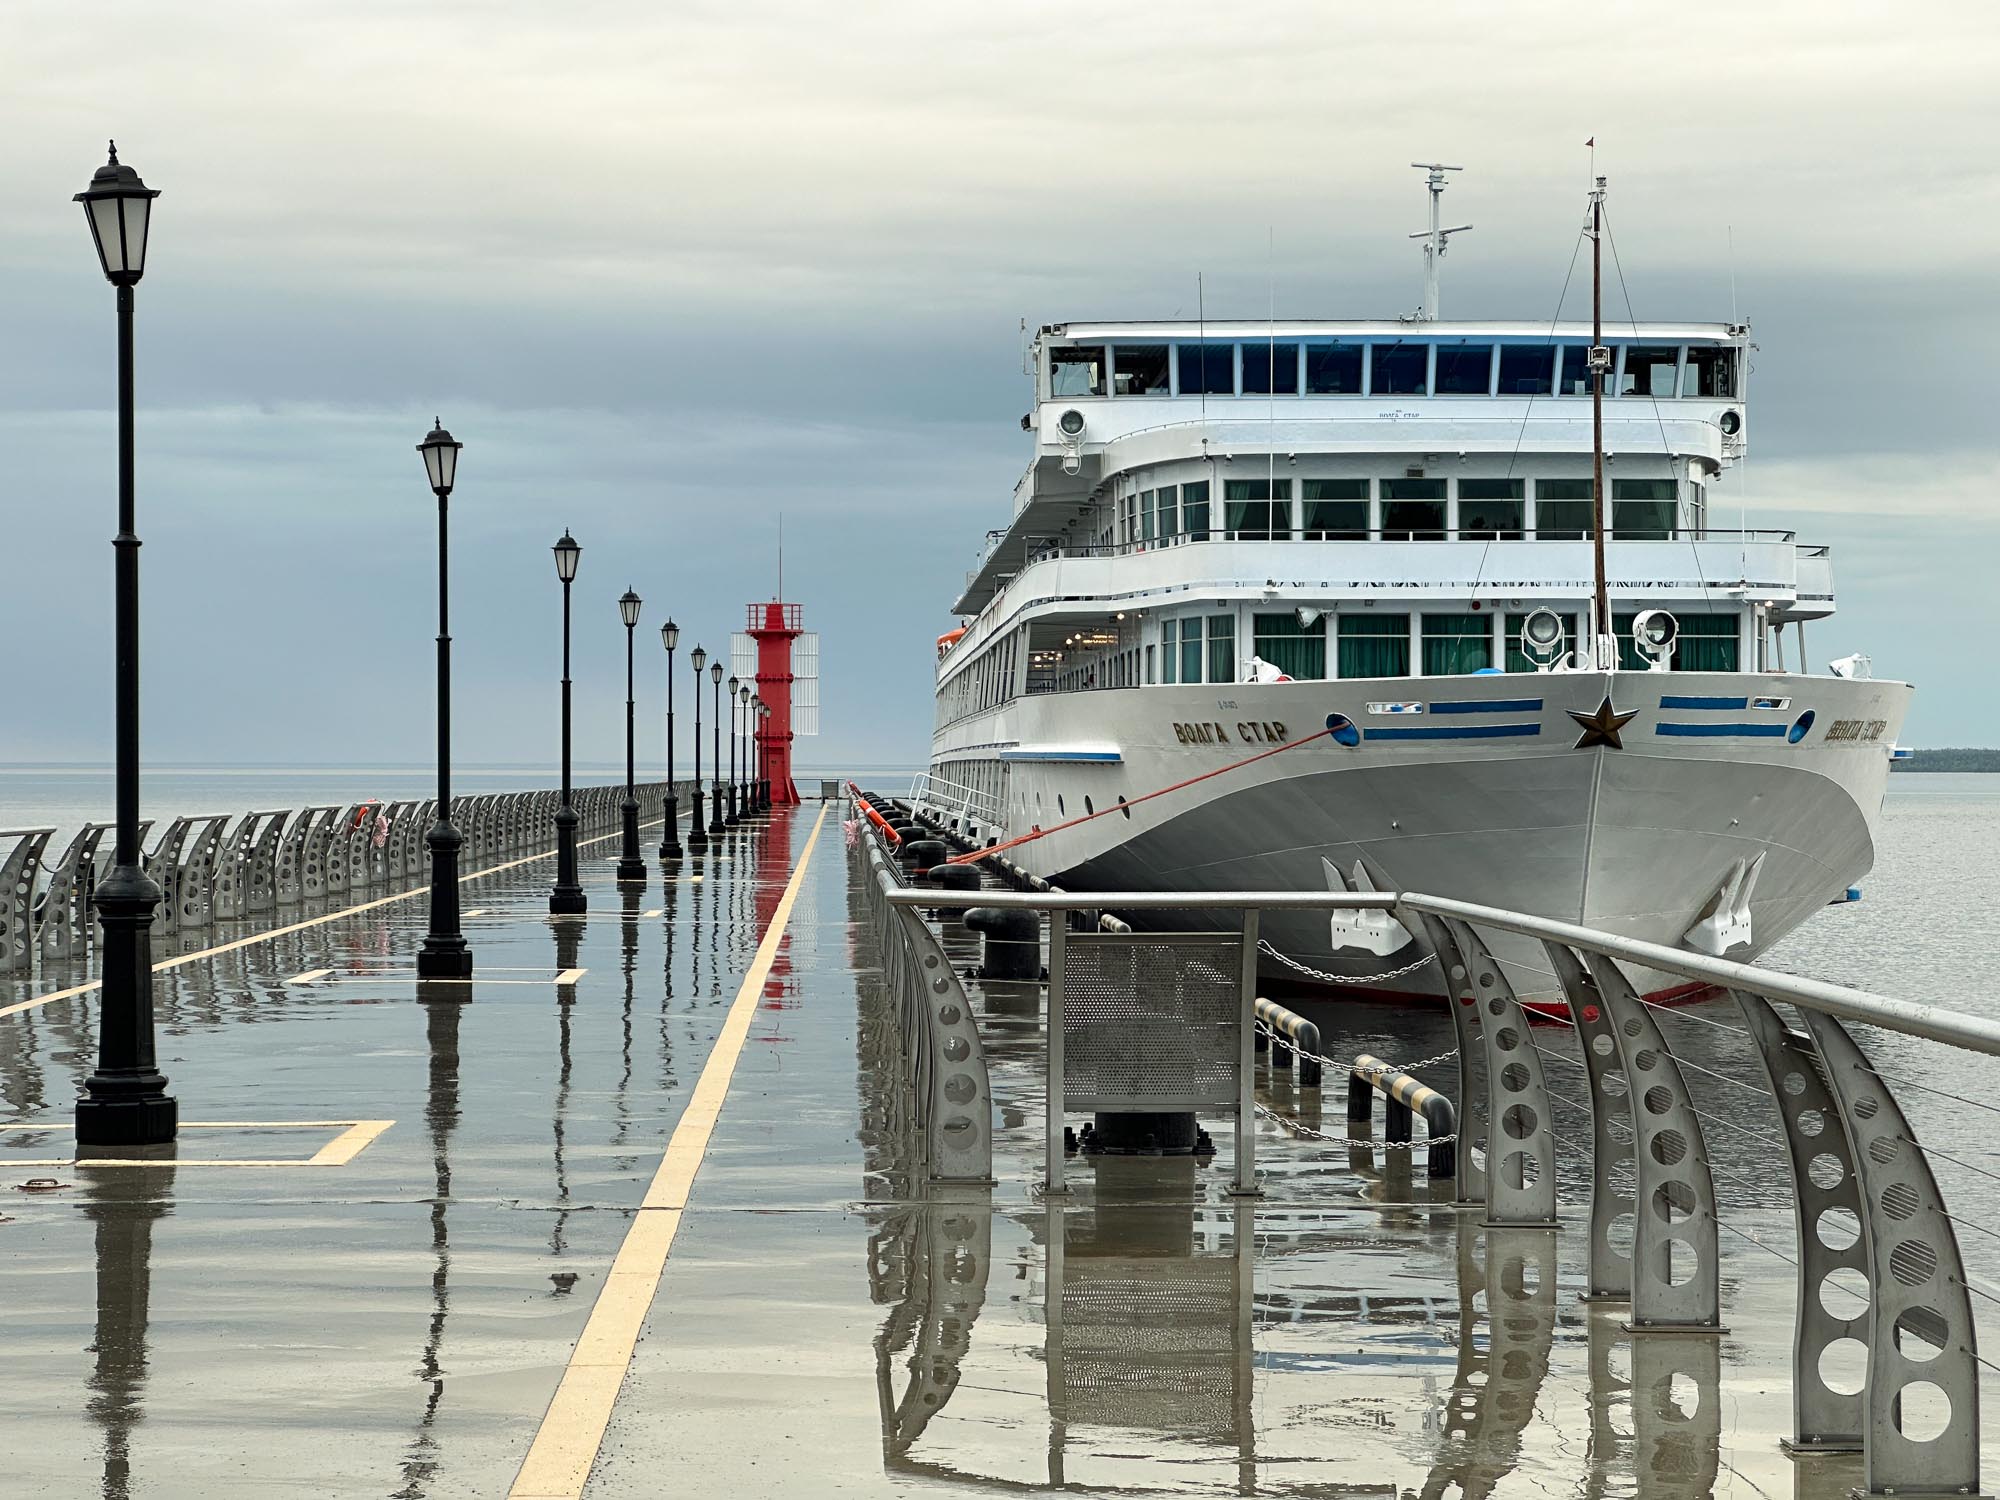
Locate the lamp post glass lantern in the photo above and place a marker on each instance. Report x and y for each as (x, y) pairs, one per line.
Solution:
(444, 954)
(567, 899)
(697, 828)
(670, 809)
(631, 863)
(715, 822)
(125, 1100)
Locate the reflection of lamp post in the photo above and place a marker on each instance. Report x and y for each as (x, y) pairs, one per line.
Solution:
(631, 864)
(735, 734)
(697, 829)
(715, 822)
(567, 899)
(753, 751)
(749, 806)
(444, 954)
(670, 840)
(125, 1101)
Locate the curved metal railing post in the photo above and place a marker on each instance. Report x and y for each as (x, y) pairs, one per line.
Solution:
(1920, 1327)
(1521, 1150)
(19, 874)
(1470, 1190)
(1676, 1272)
(1612, 1133)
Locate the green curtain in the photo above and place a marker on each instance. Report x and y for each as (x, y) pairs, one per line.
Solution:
(1294, 649)
(1707, 643)
(1221, 648)
(1454, 644)
(1374, 646)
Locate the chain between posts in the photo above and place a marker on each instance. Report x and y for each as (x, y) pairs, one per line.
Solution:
(1325, 978)
(1423, 1062)
(1300, 1128)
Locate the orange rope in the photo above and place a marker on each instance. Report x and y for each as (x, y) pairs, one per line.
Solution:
(1040, 833)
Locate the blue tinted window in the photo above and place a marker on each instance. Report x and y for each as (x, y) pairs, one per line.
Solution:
(1207, 369)
(1575, 370)
(1333, 369)
(1258, 362)
(1401, 369)
(1464, 369)
(1527, 369)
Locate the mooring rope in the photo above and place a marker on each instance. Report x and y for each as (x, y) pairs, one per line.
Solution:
(975, 855)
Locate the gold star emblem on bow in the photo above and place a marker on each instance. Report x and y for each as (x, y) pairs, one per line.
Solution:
(1601, 725)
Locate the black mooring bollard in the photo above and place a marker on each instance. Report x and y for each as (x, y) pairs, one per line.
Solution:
(953, 878)
(1013, 948)
(921, 854)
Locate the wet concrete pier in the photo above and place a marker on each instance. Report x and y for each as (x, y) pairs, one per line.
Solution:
(635, 1212)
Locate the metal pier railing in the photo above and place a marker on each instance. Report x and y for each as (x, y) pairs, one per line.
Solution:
(1866, 1203)
(232, 866)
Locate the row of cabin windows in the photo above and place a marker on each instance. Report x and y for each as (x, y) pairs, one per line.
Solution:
(986, 683)
(1400, 367)
(1396, 510)
(1202, 648)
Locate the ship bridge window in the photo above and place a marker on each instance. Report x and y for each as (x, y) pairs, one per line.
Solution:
(1642, 510)
(1194, 510)
(1372, 645)
(1257, 510)
(1207, 369)
(1575, 379)
(1221, 648)
(1333, 369)
(1076, 370)
(1166, 511)
(1710, 372)
(1650, 370)
(1140, 370)
(1492, 508)
(1297, 650)
(1402, 369)
(1464, 369)
(1413, 510)
(1336, 510)
(1527, 369)
(1563, 509)
(1260, 361)
(1455, 644)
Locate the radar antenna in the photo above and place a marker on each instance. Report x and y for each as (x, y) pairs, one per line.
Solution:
(1435, 237)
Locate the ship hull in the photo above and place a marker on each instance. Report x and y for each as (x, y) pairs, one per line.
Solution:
(1632, 837)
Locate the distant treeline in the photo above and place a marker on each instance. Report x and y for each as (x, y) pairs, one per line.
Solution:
(1951, 760)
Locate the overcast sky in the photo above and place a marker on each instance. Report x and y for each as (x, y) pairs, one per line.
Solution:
(668, 270)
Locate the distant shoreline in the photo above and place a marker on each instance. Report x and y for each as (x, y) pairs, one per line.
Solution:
(1950, 760)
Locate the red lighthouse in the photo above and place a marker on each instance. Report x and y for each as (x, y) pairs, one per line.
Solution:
(787, 679)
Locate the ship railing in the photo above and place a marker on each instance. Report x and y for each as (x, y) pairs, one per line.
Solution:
(1885, 1355)
(1052, 549)
(962, 809)
(236, 867)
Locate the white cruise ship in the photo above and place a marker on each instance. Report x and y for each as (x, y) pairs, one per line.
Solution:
(1287, 600)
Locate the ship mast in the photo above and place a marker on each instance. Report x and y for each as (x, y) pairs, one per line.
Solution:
(1434, 238)
(1602, 656)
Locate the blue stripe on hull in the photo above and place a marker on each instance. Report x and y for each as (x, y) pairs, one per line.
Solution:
(1464, 732)
(1680, 700)
(1722, 731)
(1492, 706)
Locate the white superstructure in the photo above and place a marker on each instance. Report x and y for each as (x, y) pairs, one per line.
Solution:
(1395, 518)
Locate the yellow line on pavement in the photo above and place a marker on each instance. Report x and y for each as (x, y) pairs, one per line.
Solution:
(262, 937)
(566, 1445)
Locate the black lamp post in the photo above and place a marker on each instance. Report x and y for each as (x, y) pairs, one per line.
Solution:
(697, 829)
(567, 899)
(444, 954)
(735, 816)
(715, 822)
(670, 840)
(631, 864)
(743, 731)
(125, 1101)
